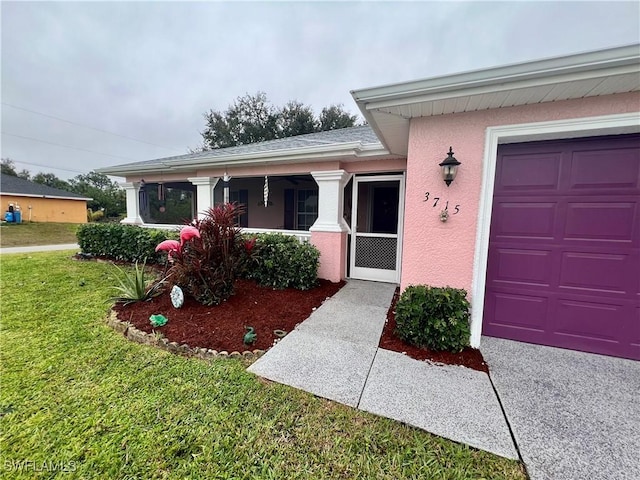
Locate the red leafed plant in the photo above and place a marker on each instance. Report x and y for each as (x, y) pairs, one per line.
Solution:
(210, 255)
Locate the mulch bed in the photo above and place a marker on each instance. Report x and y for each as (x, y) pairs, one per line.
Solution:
(469, 357)
(222, 327)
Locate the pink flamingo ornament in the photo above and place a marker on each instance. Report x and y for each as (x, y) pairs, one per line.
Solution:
(187, 233)
(168, 246)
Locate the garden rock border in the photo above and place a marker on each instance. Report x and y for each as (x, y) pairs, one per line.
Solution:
(144, 338)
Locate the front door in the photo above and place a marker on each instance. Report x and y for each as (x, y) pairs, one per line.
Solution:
(376, 231)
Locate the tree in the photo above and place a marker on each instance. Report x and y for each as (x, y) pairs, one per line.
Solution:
(8, 167)
(296, 119)
(105, 193)
(248, 120)
(334, 117)
(253, 119)
(51, 180)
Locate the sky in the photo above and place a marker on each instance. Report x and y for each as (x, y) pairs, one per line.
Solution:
(94, 84)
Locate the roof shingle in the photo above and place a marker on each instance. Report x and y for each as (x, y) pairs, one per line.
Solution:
(363, 134)
(19, 186)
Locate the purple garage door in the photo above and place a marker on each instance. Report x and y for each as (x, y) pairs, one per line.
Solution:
(564, 248)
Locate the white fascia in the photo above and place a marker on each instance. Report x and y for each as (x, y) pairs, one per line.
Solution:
(539, 72)
(455, 91)
(46, 196)
(298, 155)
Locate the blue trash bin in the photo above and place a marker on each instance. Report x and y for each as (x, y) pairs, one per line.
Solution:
(17, 216)
(8, 217)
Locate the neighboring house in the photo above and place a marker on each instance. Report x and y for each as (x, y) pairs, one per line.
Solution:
(543, 226)
(41, 203)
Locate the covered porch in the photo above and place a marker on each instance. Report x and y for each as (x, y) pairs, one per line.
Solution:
(312, 187)
(285, 204)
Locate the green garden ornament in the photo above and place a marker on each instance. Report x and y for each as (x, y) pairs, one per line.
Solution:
(250, 337)
(158, 320)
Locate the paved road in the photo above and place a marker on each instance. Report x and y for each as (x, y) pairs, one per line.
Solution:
(40, 248)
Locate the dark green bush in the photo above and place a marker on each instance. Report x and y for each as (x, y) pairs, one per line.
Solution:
(281, 261)
(433, 317)
(129, 243)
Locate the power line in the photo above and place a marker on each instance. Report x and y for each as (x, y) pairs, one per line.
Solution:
(66, 146)
(87, 126)
(46, 166)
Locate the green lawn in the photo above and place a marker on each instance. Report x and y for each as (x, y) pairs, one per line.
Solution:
(37, 233)
(76, 395)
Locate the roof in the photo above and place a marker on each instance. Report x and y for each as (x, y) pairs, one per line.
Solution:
(345, 142)
(10, 185)
(389, 108)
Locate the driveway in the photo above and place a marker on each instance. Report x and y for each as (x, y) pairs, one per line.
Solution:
(574, 415)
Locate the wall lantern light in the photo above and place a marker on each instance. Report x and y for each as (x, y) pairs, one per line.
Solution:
(449, 167)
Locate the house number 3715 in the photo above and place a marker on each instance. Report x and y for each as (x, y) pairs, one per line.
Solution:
(435, 201)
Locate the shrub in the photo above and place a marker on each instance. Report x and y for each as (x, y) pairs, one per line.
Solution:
(134, 287)
(206, 266)
(432, 317)
(128, 243)
(281, 261)
(94, 216)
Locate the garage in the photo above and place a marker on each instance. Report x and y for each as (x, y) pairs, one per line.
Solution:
(564, 248)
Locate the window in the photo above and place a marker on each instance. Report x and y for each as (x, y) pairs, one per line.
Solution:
(307, 211)
(241, 197)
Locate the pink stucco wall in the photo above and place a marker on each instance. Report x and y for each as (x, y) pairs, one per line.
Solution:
(333, 254)
(437, 253)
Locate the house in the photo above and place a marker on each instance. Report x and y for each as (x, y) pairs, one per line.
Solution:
(41, 203)
(541, 224)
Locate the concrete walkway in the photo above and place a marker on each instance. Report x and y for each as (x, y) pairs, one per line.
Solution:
(334, 354)
(40, 248)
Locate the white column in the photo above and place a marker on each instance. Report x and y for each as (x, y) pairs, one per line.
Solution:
(133, 203)
(204, 193)
(330, 201)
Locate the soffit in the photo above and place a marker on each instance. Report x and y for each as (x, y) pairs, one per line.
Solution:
(388, 109)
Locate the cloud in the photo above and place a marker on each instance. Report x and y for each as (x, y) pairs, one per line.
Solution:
(148, 70)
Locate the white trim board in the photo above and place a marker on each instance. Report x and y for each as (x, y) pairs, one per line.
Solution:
(526, 132)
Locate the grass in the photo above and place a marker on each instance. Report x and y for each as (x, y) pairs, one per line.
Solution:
(77, 396)
(37, 233)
